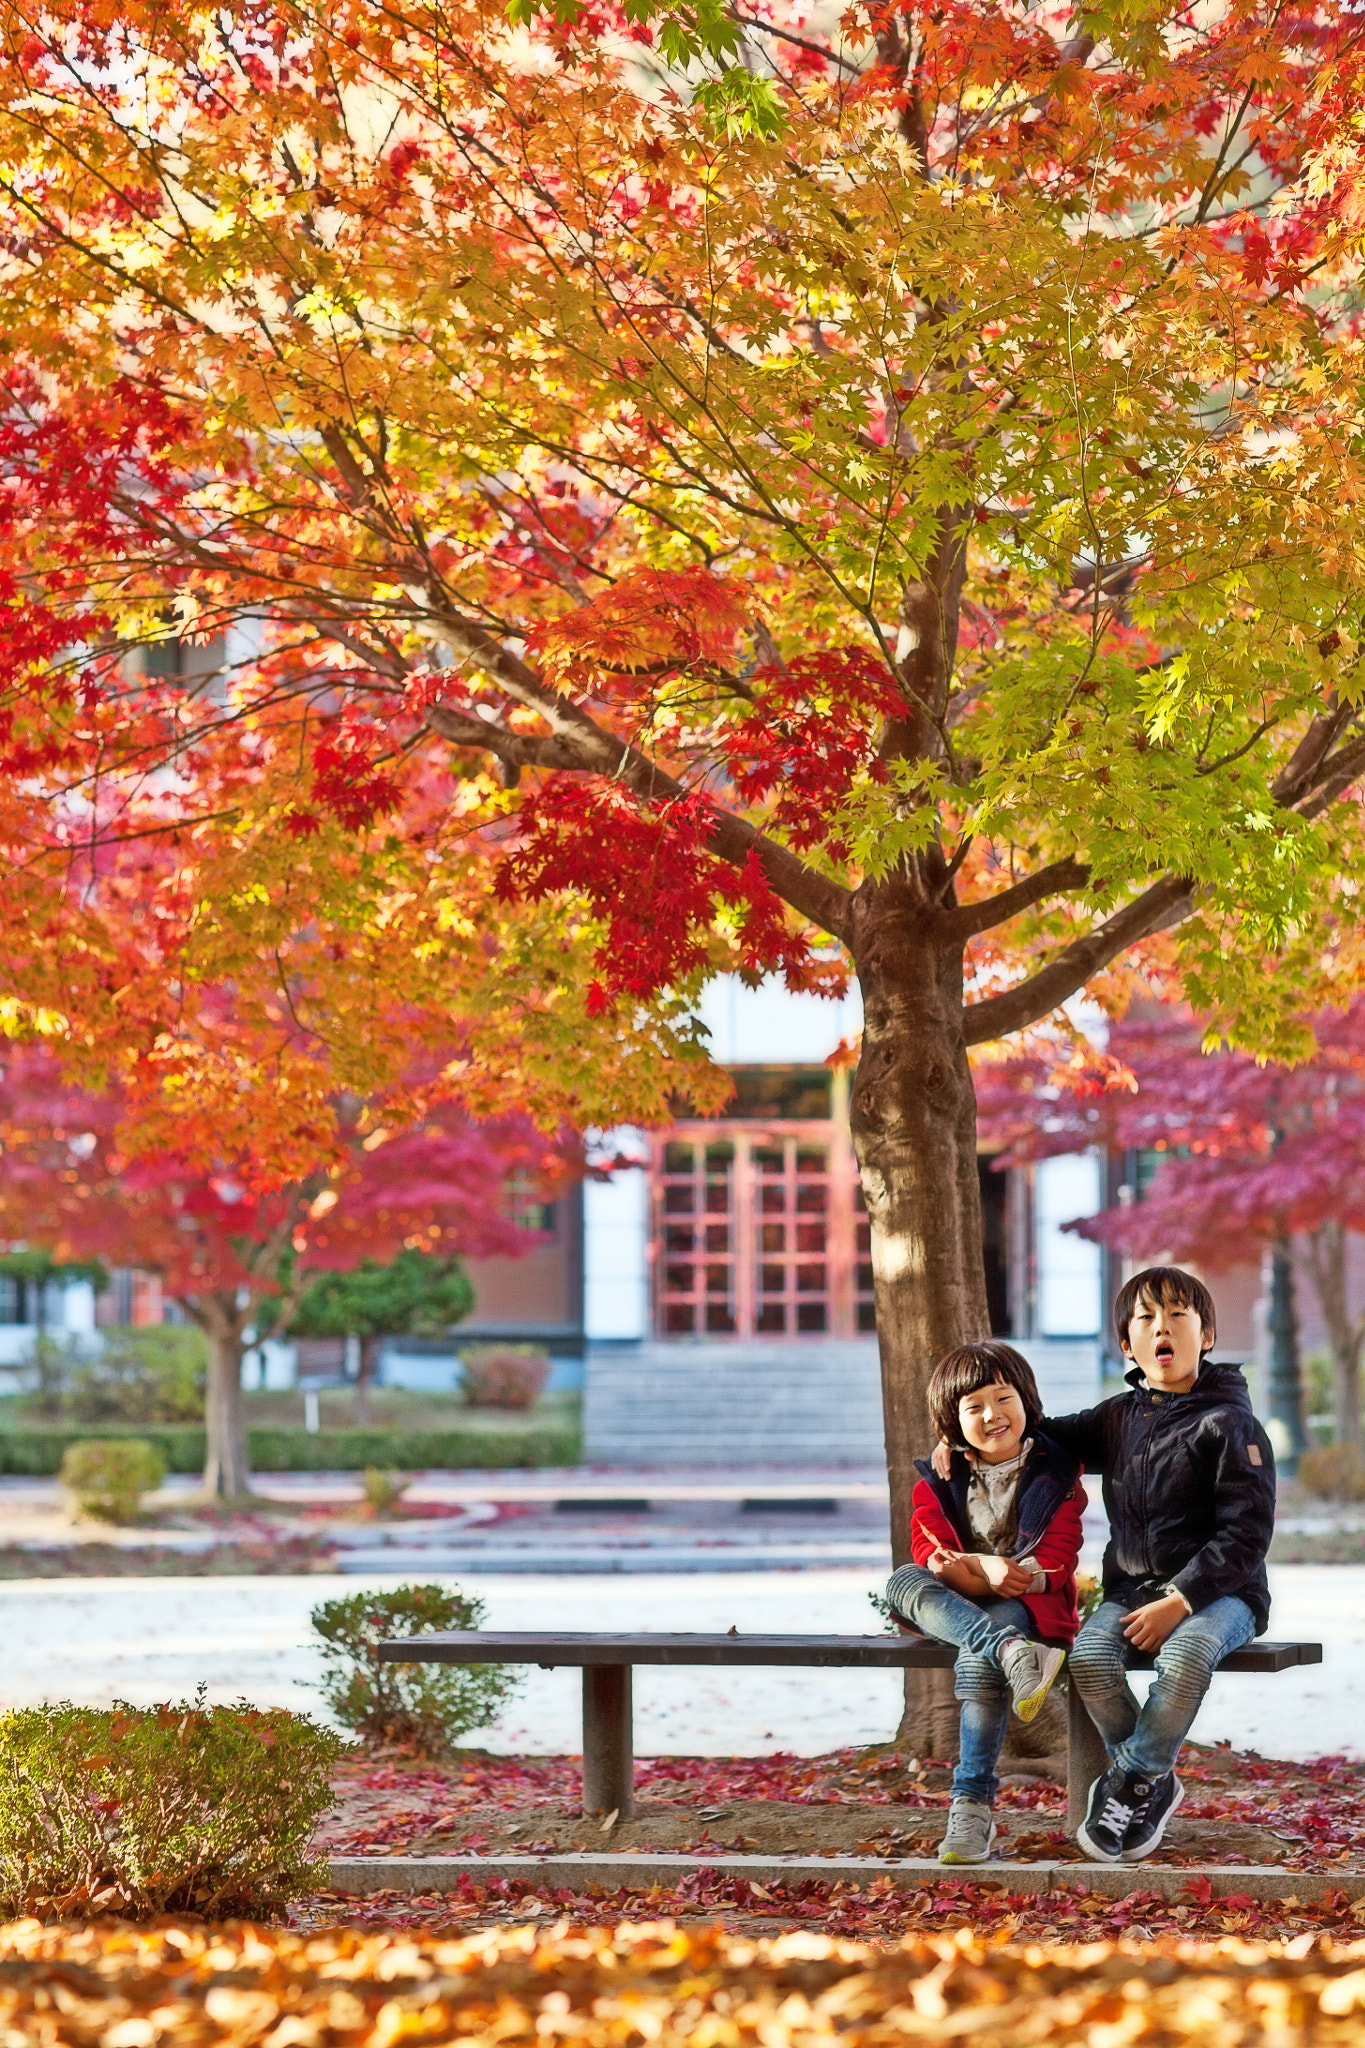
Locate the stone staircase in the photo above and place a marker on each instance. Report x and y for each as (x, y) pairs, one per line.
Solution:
(752, 1403)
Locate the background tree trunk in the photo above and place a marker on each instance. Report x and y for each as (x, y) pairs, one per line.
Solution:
(1327, 1269)
(913, 1116)
(369, 1361)
(227, 1475)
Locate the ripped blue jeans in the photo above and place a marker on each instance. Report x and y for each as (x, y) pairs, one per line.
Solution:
(977, 1628)
(1148, 1739)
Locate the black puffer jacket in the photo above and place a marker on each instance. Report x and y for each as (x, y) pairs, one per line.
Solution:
(1189, 1487)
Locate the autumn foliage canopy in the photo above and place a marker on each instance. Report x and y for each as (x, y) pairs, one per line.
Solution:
(486, 544)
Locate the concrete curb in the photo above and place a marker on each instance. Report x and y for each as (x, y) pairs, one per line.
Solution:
(358, 1875)
(674, 1558)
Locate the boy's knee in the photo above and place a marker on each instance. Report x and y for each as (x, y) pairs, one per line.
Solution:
(1096, 1660)
(1187, 1659)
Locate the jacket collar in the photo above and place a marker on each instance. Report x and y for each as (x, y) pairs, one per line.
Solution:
(1047, 1478)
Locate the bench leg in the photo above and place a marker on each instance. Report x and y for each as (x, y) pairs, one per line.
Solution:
(608, 1740)
(1086, 1756)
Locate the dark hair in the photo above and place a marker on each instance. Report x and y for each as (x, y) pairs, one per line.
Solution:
(1168, 1287)
(966, 1371)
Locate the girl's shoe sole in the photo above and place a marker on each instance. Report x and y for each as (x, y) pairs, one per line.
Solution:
(1029, 1709)
(970, 1862)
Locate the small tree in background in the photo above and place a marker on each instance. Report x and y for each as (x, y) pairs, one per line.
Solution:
(223, 1250)
(414, 1295)
(1252, 1153)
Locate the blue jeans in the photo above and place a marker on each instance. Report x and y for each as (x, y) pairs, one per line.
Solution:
(1149, 1740)
(978, 1628)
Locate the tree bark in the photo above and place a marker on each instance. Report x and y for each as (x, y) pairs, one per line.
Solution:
(369, 1360)
(227, 1475)
(1327, 1269)
(913, 1117)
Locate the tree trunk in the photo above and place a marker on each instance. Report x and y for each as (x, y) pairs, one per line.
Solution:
(1327, 1268)
(227, 1476)
(913, 1117)
(369, 1360)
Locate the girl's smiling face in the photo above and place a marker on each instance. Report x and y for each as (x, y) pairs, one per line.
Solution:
(992, 1421)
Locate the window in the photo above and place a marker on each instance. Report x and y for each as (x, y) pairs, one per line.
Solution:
(792, 1296)
(867, 1307)
(695, 1240)
(754, 1226)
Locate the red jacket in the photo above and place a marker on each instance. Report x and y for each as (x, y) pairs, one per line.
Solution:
(1050, 1501)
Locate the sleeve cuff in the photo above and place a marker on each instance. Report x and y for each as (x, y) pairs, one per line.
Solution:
(1031, 1564)
(1182, 1598)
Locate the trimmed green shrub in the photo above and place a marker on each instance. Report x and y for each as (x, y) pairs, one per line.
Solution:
(172, 1809)
(422, 1707)
(38, 1453)
(107, 1476)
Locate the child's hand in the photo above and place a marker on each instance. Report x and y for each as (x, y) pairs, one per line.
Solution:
(942, 1459)
(1148, 1627)
(1002, 1574)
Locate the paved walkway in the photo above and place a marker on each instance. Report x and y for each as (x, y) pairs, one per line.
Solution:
(146, 1640)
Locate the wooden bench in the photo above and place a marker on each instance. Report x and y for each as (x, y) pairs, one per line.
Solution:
(607, 1661)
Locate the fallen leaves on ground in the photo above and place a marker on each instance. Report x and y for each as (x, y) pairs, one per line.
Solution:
(661, 1982)
(877, 1910)
(1240, 1807)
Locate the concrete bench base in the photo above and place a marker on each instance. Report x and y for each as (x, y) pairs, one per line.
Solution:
(358, 1876)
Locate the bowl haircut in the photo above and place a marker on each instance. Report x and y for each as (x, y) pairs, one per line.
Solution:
(1165, 1287)
(968, 1369)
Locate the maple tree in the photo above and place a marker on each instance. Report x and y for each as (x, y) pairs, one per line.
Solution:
(224, 1250)
(918, 537)
(1252, 1152)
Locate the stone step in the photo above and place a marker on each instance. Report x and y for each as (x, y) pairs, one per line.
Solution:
(358, 1875)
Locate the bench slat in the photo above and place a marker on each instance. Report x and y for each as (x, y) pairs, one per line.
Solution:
(901, 1652)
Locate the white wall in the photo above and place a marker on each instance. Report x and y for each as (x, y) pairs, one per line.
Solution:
(768, 1025)
(1069, 1303)
(615, 1242)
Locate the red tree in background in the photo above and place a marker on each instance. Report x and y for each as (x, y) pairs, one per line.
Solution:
(221, 1247)
(1254, 1153)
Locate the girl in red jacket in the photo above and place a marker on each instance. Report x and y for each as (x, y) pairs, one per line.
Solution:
(995, 1548)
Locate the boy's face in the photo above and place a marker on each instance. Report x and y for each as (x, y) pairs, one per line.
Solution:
(992, 1421)
(1165, 1343)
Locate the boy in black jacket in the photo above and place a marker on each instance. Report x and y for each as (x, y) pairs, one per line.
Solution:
(1189, 1486)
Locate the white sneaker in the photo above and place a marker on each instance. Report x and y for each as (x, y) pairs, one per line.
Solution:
(1030, 1670)
(970, 1835)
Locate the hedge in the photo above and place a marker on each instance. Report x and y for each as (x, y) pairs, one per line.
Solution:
(38, 1453)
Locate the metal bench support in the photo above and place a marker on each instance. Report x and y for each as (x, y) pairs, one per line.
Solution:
(608, 1740)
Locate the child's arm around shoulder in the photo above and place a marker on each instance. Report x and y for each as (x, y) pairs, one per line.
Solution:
(1083, 1435)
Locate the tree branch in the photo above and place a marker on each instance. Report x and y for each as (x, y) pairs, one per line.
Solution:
(1164, 904)
(580, 745)
(1056, 879)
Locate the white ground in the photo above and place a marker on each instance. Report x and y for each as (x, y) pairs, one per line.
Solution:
(145, 1640)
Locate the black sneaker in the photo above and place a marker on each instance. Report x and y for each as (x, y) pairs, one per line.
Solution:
(1116, 1800)
(1148, 1824)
